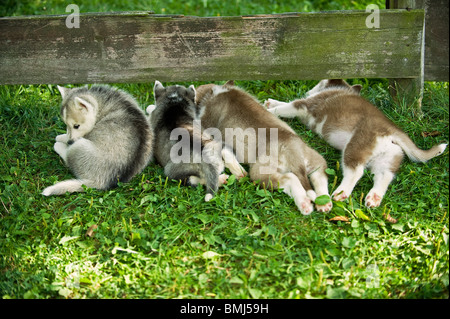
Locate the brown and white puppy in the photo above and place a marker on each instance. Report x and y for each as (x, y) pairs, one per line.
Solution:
(367, 138)
(276, 155)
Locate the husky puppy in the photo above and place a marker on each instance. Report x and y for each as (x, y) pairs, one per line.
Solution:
(176, 109)
(232, 110)
(367, 138)
(108, 138)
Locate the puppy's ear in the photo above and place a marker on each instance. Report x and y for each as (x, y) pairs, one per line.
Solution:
(83, 105)
(192, 92)
(230, 83)
(357, 88)
(158, 89)
(64, 91)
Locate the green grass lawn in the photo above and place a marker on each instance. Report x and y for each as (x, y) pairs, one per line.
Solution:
(152, 238)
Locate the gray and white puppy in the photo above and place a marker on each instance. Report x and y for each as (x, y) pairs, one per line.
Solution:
(108, 138)
(176, 112)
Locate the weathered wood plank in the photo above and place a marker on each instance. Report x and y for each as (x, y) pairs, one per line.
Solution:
(143, 47)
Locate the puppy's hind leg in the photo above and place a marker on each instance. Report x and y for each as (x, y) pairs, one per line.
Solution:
(232, 163)
(319, 180)
(355, 156)
(290, 184)
(384, 172)
(351, 177)
(381, 183)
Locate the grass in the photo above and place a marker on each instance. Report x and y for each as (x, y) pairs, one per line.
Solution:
(152, 238)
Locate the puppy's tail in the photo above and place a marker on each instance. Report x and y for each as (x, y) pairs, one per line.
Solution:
(192, 175)
(414, 153)
(211, 177)
(70, 185)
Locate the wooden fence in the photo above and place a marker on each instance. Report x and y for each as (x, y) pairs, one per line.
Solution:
(142, 47)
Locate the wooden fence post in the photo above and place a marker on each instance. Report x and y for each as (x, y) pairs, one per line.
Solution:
(435, 66)
(409, 90)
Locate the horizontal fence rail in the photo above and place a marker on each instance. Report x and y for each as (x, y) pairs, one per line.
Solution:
(142, 47)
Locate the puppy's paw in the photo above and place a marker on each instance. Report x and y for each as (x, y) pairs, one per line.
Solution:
(61, 149)
(271, 103)
(324, 208)
(242, 174)
(223, 178)
(47, 191)
(339, 195)
(63, 138)
(373, 200)
(236, 169)
(194, 181)
(306, 207)
(150, 108)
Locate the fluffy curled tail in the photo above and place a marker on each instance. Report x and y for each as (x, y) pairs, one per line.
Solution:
(211, 178)
(414, 153)
(194, 174)
(207, 176)
(70, 185)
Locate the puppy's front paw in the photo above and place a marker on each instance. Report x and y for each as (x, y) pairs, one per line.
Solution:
(60, 148)
(63, 138)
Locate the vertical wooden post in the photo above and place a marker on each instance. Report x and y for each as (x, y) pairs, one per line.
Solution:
(409, 90)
